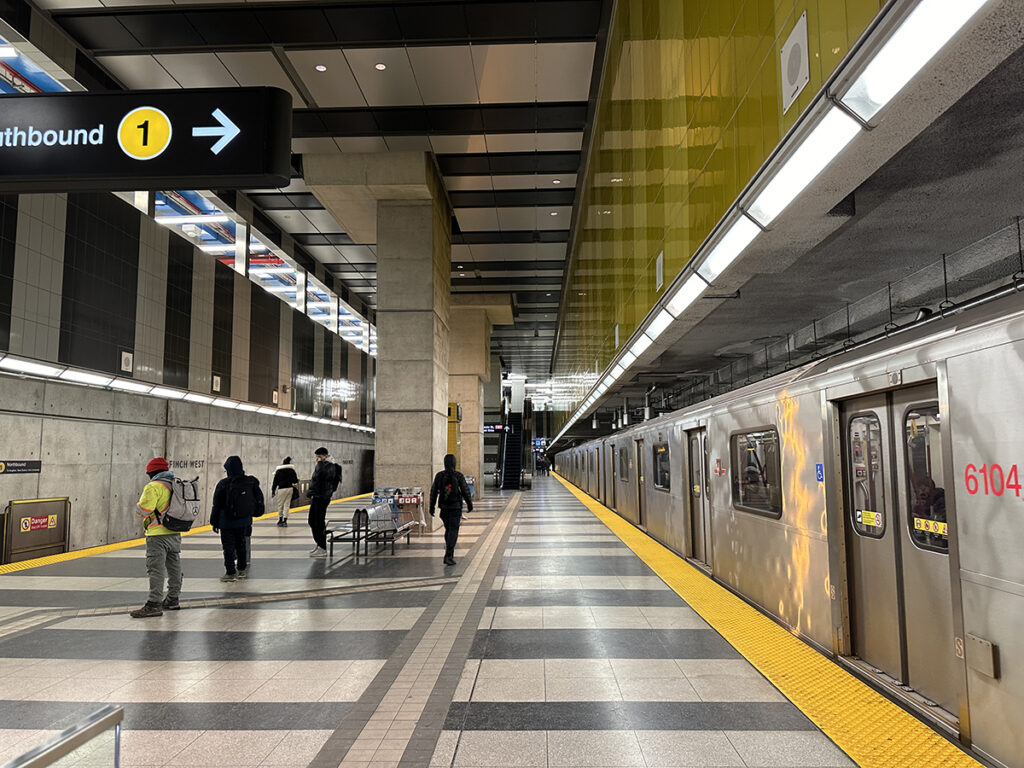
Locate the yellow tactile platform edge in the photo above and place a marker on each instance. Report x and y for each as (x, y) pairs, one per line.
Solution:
(872, 730)
(79, 553)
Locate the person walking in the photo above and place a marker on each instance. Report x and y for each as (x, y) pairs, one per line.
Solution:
(237, 499)
(163, 546)
(450, 490)
(283, 490)
(323, 484)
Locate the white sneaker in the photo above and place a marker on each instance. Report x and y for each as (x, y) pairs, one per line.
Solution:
(314, 549)
(318, 552)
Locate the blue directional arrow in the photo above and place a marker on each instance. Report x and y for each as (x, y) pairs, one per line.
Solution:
(227, 131)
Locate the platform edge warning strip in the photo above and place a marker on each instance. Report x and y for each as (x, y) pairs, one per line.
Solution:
(76, 554)
(872, 730)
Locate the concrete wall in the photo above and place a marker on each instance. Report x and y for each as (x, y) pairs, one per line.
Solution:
(94, 445)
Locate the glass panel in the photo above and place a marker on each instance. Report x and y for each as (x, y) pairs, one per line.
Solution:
(757, 472)
(661, 468)
(695, 459)
(624, 465)
(925, 482)
(867, 482)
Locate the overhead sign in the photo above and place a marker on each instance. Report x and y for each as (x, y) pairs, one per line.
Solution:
(215, 137)
(8, 467)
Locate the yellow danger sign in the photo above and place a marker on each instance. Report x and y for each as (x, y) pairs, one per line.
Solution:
(931, 526)
(870, 518)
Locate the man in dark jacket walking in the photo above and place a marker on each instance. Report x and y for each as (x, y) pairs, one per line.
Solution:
(323, 484)
(283, 489)
(237, 499)
(450, 489)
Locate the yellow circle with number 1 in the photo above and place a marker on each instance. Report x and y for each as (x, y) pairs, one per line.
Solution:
(144, 133)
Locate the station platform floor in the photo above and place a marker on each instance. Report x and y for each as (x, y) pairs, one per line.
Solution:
(555, 641)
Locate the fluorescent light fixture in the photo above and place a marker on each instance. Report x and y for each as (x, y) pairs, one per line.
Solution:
(167, 392)
(640, 345)
(617, 371)
(601, 389)
(8, 52)
(27, 366)
(328, 422)
(819, 148)
(266, 410)
(258, 270)
(658, 325)
(173, 221)
(82, 377)
(127, 385)
(688, 292)
(248, 407)
(223, 402)
(279, 288)
(727, 250)
(924, 32)
(193, 397)
(282, 413)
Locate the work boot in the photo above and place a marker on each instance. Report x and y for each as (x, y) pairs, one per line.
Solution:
(284, 522)
(449, 560)
(243, 575)
(228, 577)
(170, 604)
(149, 609)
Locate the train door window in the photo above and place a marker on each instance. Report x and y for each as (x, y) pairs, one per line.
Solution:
(624, 466)
(868, 513)
(926, 494)
(660, 465)
(757, 472)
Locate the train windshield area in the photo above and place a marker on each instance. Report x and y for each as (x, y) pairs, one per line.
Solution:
(925, 482)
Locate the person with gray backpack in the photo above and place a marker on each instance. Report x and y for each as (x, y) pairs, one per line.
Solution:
(237, 499)
(168, 506)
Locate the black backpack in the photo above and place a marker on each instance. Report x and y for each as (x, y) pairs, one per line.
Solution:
(242, 501)
(451, 493)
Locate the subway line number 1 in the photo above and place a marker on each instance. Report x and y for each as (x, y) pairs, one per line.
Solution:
(991, 479)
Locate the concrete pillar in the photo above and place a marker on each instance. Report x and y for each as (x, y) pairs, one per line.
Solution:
(396, 200)
(473, 316)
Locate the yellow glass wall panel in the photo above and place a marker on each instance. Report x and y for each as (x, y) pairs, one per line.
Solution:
(690, 109)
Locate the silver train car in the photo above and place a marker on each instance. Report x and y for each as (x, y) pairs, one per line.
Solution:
(872, 502)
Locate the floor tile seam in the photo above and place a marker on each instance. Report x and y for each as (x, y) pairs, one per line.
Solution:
(789, 664)
(337, 745)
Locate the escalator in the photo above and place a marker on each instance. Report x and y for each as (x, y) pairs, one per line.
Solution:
(512, 465)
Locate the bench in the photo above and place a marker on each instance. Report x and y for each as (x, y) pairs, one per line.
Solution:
(376, 525)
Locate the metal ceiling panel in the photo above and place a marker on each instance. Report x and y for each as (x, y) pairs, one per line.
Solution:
(360, 254)
(361, 144)
(505, 73)
(325, 254)
(479, 219)
(444, 74)
(303, 146)
(467, 182)
(512, 142)
(138, 72)
(564, 71)
(517, 219)
(197, 70)
(560, 142)
(259, 68)
(393, 86)
(291, 222)
(334, 87)
(323, 221)
(408, 143)
(455, 145)
(462, 254)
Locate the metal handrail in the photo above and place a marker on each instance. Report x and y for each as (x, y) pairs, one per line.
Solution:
(66, 742)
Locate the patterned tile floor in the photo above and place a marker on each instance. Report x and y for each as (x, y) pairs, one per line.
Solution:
(550, 644)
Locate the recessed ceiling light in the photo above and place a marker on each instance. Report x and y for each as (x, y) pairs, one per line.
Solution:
(605, 212)
(554, 213)
(380, 66)
(461, 267)
(557, 181)
(581, 293)
(462, 274)
(320, 68)
(549, 294)
(616, 180)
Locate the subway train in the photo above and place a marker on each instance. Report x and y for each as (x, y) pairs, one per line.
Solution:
(870, 501)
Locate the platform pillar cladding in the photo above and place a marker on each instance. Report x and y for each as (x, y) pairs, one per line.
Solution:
(396, 201)
(473, 316)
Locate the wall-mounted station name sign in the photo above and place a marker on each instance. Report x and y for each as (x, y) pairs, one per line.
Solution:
(136, 140)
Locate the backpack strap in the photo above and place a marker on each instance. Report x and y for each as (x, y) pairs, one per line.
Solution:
(170, 490)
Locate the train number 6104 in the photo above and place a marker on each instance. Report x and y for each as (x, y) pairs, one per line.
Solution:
(993, 480)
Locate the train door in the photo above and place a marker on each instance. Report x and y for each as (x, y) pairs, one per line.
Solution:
(614, 476)
(700, 517)
(641, 487)
(597, 473)
(901, 603)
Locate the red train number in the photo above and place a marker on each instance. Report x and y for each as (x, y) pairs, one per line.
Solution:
(991, 479)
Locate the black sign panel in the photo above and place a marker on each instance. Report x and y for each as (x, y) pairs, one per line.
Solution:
(189, 139)
(20, 467)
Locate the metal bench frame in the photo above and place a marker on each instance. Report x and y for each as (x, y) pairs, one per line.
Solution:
(379, 528)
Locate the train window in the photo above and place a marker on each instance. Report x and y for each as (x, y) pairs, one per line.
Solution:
(864, 468)
(661, 472)
(624, 465)
(757, 472)
(925, 482)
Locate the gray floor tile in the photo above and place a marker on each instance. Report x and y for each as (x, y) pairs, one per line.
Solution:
(502, 749)
(591, 748)
(769, 749)
(687, 749)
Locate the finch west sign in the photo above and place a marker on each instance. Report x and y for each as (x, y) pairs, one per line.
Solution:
(218, 137)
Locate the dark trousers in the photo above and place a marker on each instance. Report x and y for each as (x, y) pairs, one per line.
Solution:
(452, 519)
(235, 549)
(318, 520)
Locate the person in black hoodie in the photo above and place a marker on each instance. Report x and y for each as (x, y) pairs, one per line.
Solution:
(283, 490)
(323, 484)
(450, 489)
(237, 499)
